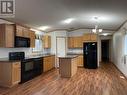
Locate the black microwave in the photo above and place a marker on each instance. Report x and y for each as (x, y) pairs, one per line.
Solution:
(22, 42)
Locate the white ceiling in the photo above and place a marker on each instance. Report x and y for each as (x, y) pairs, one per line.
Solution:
(51, 13)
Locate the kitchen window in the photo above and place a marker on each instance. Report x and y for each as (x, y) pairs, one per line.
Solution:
(38, 44)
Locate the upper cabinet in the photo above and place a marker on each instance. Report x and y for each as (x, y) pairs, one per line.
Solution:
(90, 38)
(22, 31)
(70, 42)
(75, 42)
(32, 39)
(94, 37)
(86, 37)
(9, 31)
(47, 41)
(7, 34)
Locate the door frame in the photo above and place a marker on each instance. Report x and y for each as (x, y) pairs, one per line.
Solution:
(57, 59)
(109, 49)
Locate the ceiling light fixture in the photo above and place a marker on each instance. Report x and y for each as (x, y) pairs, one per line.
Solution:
(69, 20)
(105, 34)
(96, 29)
(43, 28)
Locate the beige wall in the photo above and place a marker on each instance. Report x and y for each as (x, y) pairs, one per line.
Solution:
(118, 49)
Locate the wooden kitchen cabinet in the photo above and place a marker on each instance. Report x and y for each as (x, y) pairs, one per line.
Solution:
(93, 37)
(7, 32)
(48, 63)
(75, 42)
(16, 72)
(26, 33)
(47, 41)
(80, 61)
(22, 31)
(32, 39)
(19, 31)
(90, 37)
(11, 73)
(70, 42)
(80, 42)
(86, 37)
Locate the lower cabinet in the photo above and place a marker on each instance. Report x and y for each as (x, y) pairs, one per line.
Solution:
(80, 61)
(10, 73)
(48, 63)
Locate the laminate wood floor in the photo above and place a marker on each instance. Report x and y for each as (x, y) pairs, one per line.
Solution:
(102, 81)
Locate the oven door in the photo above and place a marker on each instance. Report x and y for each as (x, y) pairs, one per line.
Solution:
(27, 70)
(22, 42)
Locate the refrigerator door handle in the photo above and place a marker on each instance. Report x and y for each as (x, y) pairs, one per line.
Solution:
(86, 53)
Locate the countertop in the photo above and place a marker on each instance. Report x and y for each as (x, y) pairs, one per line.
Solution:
(69, 56)
(74, 53)
(29, 57)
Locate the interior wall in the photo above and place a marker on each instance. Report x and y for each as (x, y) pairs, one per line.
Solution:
(119, 50)
(53, 39)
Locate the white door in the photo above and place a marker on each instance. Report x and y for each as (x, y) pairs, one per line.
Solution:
(60, 48)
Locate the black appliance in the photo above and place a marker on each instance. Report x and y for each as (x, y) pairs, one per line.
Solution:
(90, 55)
(30, 67)
(22, 42)
(16, 55)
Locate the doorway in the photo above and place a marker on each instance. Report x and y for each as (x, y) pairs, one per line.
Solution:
(105, 50)
(60, 48)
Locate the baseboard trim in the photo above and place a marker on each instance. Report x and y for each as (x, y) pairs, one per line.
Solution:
(120, 71)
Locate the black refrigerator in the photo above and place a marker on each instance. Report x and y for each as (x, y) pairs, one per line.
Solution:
(90, 55)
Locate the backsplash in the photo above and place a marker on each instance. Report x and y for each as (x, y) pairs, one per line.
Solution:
(77, 50)
(4, 51)
(47, 51)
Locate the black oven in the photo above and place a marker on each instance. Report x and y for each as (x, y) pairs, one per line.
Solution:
(30, 68)
(22, 42)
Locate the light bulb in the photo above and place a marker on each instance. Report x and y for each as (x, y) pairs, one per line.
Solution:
(94, 30)
(100, 30)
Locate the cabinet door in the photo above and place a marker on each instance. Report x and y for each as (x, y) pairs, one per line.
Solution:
(79, 42)
(45, 64)
(93, 37)
(75, 42)
(26, 33)
(86, 37)
(49, 63)
(16, 72)
(70, 42)
(9, 36)
(32, 39)
(53, 61)
(19, 30)
(80, 61)
(47, 41)
(2, 35)
(74, 66)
